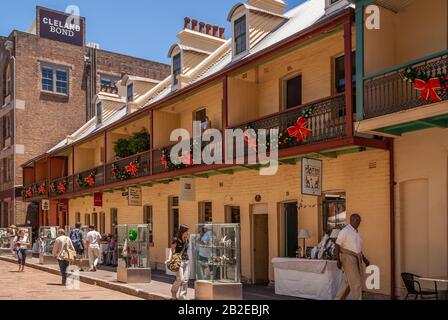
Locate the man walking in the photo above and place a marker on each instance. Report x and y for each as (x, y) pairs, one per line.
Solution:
(78, 243)
(349, 258)
(61, 245)
(93, 239)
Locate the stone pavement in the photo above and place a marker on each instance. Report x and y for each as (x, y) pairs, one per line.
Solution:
(35, 284)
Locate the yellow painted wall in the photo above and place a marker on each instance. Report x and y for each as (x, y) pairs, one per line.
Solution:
(421, 172)
(366, 189)
(164, 123)
(418, 30)
(89, 155)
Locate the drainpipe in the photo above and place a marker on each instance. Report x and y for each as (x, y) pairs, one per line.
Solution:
(392, 217)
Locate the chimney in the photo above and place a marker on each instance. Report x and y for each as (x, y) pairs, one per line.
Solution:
(187, 23)
(215, 30)
(208, 28)
(194, 25)
(222, 32)
(201, 27)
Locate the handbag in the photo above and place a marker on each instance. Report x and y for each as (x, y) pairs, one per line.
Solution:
(69, 254)
(176, 260)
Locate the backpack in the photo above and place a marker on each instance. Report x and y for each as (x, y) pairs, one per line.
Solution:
(76, 238)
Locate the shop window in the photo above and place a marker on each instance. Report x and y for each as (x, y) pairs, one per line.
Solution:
(130, 92)
(87, 219)
(205, 212)
(113, 219)
(334, 211)
(339, 72)
(173, 216)
(95, 220)
(54, 79)
(233, 214)
(147, 219)
(77, 217)
(177, 68)
(102, 229)
(288, 233)
(293, 92)
(240, 35)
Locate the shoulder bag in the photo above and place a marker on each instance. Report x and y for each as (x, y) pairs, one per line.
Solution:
(69, 254)
(176, 260)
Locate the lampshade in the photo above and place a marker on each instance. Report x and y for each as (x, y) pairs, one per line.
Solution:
(303, 234)
(334, 233)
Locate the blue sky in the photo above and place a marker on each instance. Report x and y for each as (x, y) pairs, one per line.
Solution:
(141, 28)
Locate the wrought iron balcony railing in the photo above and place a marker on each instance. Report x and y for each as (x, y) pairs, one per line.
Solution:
(136, 166)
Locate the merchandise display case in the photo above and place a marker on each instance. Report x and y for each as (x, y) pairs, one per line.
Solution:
(133, 253)
(47, 237)
(217, 262)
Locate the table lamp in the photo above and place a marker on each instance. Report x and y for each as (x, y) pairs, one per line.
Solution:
(303, 235)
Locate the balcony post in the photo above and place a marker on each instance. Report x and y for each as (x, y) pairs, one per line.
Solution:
(151, 141)
(225, 106)
(105, 158)
(73, 169)
(359, 21)
(348, 76)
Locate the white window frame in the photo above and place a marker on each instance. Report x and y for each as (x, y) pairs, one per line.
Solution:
(234, 19)
(174, 85)
(55, 68)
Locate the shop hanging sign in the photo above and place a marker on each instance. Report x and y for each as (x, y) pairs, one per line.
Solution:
(187, 189)
(45, 205)
(135, 196)
(311, 177)
(60, 26)
(98, 199)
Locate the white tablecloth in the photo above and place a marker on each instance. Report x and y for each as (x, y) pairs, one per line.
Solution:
(308, 279)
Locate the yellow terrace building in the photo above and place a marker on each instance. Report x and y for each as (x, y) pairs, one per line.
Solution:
(276, 67)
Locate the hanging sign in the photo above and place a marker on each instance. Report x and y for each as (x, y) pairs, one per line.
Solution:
(45, 205)
(311, 177)
(98, 199)
(135, 196)
(187, 189)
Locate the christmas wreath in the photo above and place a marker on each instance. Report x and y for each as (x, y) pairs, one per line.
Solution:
(86, 182)
(430, 87)
(59, 188)
(129, 171)
(185, 161)
(42, 189)
(28, 192)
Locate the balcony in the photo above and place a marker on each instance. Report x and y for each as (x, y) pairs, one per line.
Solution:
(35, 191)
(393, 91)
(88, 179)
(61, 186)
(326, 120)
(129, 168)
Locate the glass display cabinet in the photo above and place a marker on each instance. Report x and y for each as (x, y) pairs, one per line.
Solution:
(47, 238)
(133, 253)
(5, 240)
(217, 262)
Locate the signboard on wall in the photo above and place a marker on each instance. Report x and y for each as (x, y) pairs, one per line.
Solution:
(98, 199)
(135, 196)
(187, 189)
(59, 26)
(311, 177)
(45, 205)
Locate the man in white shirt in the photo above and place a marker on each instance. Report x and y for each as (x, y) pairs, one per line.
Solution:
(349, 256)
(93, 239)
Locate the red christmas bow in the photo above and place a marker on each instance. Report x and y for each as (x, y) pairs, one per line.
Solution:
(29, 193)
(61, 187)
(300, 130)
(131, 169)
(89, 180)
(428, 89)
(164, 160)
(41, 190)
(250, 139)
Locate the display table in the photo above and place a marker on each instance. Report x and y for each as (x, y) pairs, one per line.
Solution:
(308, 279)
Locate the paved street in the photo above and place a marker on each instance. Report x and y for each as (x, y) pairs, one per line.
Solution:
(38, 285)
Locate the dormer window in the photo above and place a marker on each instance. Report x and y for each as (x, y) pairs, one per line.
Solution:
(240, 35)
(99, 112)
(130, 92)
(177, 68)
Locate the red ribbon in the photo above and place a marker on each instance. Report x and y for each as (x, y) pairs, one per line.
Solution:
(89, 180)
(300, 130)
(61, 188)
(164, 161)
(428, 89)
(131, 169)
(41, 190)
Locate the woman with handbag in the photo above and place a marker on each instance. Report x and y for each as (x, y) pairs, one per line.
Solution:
(64, 252)
(178, 262)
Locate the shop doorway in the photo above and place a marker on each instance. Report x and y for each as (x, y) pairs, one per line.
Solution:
(173, 218)
(260, 245)
(233, 214)
(288, 233)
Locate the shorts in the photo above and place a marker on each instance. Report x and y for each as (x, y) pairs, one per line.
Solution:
(79, 249)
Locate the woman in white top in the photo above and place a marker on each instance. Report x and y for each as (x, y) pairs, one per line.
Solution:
(20, 244)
